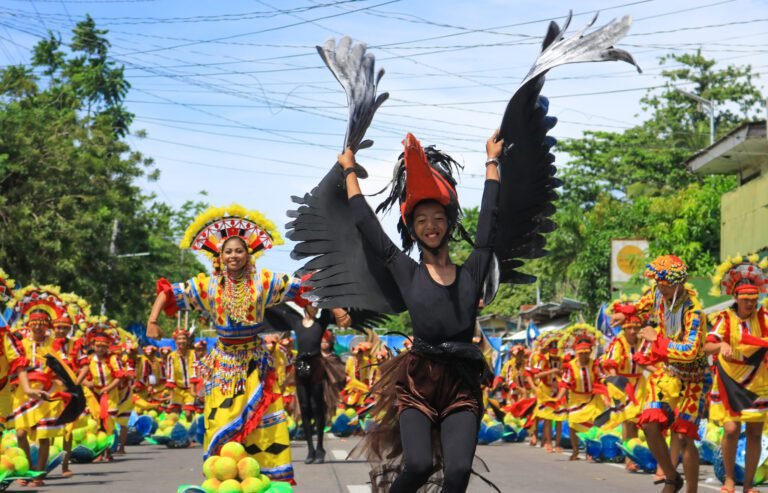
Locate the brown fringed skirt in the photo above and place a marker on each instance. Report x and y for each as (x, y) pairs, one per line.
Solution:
(436, 386)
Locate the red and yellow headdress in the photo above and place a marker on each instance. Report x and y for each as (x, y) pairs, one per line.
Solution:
(667, 269)
(742, 277)
(212, 228)
(7, 286)
(34, 298)
(580, 337)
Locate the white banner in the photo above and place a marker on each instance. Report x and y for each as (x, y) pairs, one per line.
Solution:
(627, 259)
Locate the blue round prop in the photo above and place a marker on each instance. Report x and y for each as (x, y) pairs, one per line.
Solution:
(611, 448)
(594, 448)
(82, 455)
(644, 459)
(522, 435)
(510, 434)
(144, 425)
(707, 452)
(341, 426)
(565, 440)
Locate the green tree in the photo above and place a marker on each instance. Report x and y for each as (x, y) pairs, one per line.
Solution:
(647, 159)
(66, 176)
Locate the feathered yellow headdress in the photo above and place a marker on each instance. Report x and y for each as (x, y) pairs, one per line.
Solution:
(580, 337)
(212, 228)
(741, 276)
(34, 298)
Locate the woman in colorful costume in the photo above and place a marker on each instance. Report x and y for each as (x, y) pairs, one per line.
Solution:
(243, 402)
(515, 375)
(150, 381)
(358, 370)
(618, 361)
(738, 338)
(675, 392)
(42, 419)
(181, 377)
(103, 375)
(581, 383)
(546, 369)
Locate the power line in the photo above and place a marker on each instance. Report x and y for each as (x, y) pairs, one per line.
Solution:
(261, 31)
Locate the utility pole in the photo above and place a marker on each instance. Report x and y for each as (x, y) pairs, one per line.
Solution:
(704, 104)
(112, 258)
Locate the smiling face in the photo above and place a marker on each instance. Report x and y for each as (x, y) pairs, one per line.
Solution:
(182, 342)
(234, 255)
(430, 223)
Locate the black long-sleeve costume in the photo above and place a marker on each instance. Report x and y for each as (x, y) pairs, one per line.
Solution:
(437, 383)
(439, 313)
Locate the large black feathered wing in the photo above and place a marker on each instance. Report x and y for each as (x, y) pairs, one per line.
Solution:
(527, 171)
(76, 404)
(345, 274)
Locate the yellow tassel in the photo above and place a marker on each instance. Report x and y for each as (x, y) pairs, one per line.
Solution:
(754, 258)
(737, 259)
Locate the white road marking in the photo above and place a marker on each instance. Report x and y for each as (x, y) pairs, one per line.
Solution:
(358, 488)
(339, 454)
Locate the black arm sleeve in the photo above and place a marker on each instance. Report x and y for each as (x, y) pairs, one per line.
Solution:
(325, 319)
(480, 259)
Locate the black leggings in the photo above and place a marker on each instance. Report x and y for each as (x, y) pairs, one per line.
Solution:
(312, 407)
(458, 434)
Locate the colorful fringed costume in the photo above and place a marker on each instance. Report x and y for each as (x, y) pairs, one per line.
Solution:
(741, 385)
(676, 390)
(243, 400)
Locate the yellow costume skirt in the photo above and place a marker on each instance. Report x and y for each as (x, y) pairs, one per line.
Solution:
(37, 417)
(547, 407)
(741, 379)
(6, 403)
(673, 403)
(182, 400)
(243, 403)
(583, 409)
(626, 407)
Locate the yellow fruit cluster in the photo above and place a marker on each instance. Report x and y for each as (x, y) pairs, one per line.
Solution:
(233, 471)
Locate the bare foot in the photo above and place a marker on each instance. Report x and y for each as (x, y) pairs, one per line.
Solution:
(574, 457)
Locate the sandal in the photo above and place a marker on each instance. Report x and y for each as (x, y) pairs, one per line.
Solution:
(678, 482)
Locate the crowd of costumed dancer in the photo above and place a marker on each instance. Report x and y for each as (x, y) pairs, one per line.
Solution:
(78, 388)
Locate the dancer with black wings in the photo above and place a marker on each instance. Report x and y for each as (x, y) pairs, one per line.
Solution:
(436, 385)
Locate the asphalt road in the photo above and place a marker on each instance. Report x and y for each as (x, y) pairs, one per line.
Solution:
(513, 468)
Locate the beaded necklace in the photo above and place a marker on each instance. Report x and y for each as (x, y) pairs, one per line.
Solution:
(237, 297)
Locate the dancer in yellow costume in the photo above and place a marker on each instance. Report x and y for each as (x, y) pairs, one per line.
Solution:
(546, 368)
(181, 376)
(358, 369)
(243, 401)
(742, 377)
(619, 361)
(581, 382)
(675, 391)
(103, 375)
(36, 419)
(149, 385)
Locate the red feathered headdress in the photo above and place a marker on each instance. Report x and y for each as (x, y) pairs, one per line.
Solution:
(423, 174)
(423, 182)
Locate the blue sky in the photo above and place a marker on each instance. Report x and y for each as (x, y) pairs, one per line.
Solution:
(236, 101)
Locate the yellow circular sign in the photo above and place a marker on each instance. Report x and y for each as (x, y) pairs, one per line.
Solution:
(630, 259)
